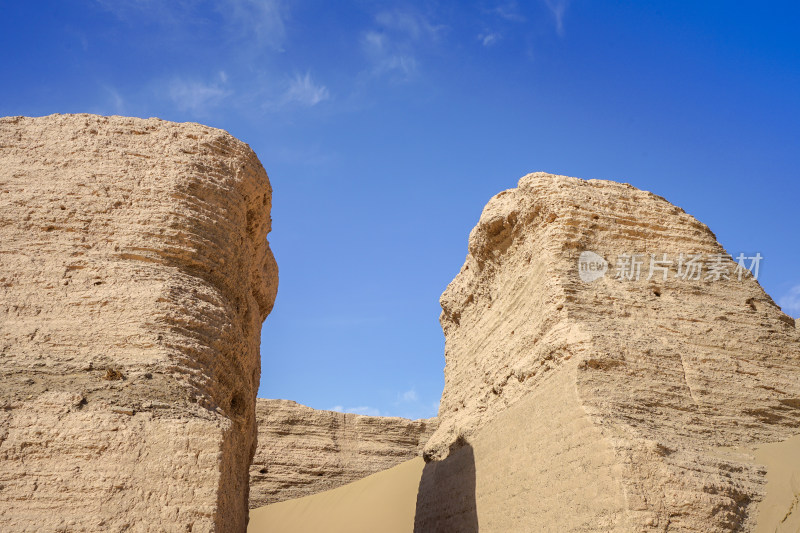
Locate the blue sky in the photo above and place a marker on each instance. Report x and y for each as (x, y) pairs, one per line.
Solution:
(386, 127)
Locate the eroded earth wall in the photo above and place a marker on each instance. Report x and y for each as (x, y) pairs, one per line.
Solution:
(135, 274)
(622, 403)
(302, 451)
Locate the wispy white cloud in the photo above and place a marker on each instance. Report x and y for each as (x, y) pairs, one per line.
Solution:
(369, 411)
(393, 43)
(790, 302)
(364, 410)
(409, 396)
(303, 90)
(386, 56)
(117, 101)
(260, 23)
(198, 97)
(110, 102)
(410, 405)
(509, 11)
(414, 25)
(488, 38)
(558, 8)
(261, 20)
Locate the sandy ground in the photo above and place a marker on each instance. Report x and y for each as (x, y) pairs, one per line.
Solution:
(779, 512)
(384, 502)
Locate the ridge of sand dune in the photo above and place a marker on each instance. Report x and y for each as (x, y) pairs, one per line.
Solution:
(384, 502)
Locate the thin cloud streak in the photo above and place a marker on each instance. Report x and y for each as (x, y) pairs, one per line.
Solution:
(392, 45)
(304, 91)
(386, 56)
(198, 97)
(488, 38)
(409, 396)
(260, 23)
(117, 101)
(509, 11)
(262, 20)
(558, 8)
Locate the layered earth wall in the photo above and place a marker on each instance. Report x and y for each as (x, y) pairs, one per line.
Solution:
(303, 451)
(605, 401)
(134, 276)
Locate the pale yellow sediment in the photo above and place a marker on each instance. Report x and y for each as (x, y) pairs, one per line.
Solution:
(383, 502)
(779, 511)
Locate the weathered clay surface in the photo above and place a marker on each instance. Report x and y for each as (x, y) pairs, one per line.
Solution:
(134, 277)
(302, 451)
(608, 405)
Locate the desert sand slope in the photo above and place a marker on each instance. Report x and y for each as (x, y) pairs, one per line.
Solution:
(538, 466)
(302, 451)
(134, 276)
(779, 512)
(381, 503)
(630, 382)
(388, 501)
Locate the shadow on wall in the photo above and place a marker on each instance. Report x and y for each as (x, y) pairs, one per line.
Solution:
(446, 495)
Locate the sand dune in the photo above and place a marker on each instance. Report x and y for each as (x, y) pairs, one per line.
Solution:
(386, 501)
(779, 512)
(383, 502)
